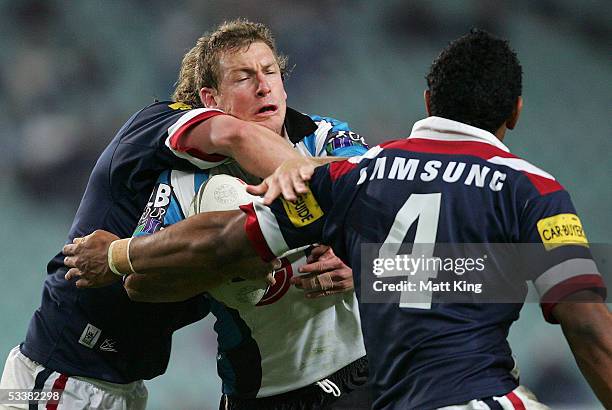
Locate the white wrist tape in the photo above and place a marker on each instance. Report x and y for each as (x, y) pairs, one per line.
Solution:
(119, 257)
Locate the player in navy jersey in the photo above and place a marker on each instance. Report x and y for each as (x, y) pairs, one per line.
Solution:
(452, 181)
(96, 345)
(325, 356)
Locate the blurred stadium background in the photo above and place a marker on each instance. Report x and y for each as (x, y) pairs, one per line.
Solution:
(72, 72)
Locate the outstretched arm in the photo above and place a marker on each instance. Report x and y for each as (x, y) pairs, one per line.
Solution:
(587, 328)
(176, 263)
(289, 175)
(201, 242)
(256, 148)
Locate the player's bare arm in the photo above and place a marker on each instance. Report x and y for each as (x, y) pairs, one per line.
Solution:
(173, 264)
(587, 329)
(288, 179)
(256, 148)
(201, 242)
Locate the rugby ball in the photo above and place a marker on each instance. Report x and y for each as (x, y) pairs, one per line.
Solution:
(225, 193)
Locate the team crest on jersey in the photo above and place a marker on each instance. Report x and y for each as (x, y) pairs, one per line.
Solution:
(179, 106)
(152, 218)
(281, 285)
(341, 139)
(561, 229)
(304, 211)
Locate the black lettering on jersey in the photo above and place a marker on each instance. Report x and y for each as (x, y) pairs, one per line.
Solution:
(304, 211)
(561, 229)
(152, 218)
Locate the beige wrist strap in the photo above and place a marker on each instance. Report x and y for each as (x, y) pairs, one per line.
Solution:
(119, 257)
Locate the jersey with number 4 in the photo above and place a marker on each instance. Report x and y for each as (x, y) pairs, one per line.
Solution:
(448, 183)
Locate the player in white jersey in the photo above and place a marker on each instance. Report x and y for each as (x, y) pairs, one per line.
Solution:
(311, 356)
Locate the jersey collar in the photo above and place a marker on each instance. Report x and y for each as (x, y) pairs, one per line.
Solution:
(442, 129)
(298, 125)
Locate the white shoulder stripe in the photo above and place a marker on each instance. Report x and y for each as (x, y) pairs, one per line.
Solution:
(200, 163)
(564, 271)
(321, 136)
(369, 154)
(183, 185)
(519, 164)
(186, 117)
(269, 228)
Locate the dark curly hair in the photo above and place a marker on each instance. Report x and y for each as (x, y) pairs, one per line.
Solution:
(475, 80)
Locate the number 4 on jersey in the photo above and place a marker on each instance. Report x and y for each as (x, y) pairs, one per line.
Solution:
(424, 209)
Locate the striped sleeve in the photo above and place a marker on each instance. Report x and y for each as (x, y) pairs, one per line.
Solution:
(285, 225)
(176, 138)
(561, 259)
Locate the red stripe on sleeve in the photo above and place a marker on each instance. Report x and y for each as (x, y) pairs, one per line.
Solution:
(542, 184)
(255, 235)
(59, 385)
(339, 168)
(516, 401)
(562, 290)
(177, 140)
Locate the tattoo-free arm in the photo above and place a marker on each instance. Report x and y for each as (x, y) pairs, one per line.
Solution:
(191, 256)
(256, 148)
(588, 330)
(290, 174)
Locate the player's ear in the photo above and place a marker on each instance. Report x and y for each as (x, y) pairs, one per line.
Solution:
(208, 96)
(427, 97)
(516, 112)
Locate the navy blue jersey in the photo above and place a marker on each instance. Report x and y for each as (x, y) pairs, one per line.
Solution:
(100, 333)
(448, 183)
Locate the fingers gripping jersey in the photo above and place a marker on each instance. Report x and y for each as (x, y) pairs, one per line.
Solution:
(469, 189)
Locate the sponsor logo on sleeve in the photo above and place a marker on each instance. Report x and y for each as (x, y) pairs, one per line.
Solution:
(561, 229)
(179, 106)
(341, 139)
(304, 211)
(152, 218)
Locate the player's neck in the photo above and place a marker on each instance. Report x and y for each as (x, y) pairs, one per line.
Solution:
(501, 132)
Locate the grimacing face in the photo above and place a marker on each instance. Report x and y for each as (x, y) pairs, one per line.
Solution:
(251, 87)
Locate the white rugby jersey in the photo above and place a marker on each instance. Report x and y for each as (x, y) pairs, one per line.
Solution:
(286, 341)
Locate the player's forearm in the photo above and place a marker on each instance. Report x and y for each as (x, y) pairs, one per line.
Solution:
(191, 257)
(257, 149)
(587, 329)
(156, 288)
(202, 243)
(162, 287)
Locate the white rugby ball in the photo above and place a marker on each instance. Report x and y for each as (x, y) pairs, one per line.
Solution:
(225, 193)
